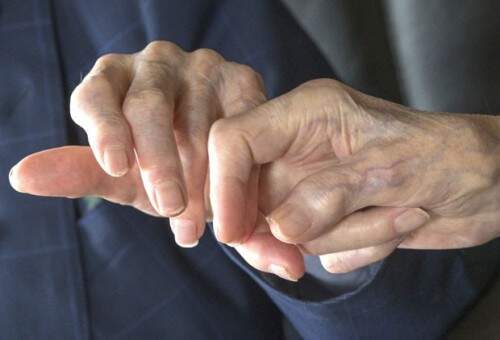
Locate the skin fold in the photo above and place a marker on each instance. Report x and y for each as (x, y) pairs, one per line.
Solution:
(323, 170)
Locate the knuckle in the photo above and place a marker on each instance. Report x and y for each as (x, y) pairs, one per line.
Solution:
(322, 194)
(204, 55)
(146, 98)
(220, 132)
(108, 60)
(321, 83)
(82, 99)
(159, 49)
(203, 64)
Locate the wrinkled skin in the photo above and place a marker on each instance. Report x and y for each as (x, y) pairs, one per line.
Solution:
(350, 177)
(323, 169)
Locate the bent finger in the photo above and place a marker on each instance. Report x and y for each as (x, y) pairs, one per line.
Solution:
(149, 108)
(95, 105)
(265, 253)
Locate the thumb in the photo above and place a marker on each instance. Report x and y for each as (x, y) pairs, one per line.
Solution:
(72, 171)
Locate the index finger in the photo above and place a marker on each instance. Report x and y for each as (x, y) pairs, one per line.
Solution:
(235, 145)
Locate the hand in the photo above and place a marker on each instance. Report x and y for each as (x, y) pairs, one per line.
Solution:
(147, 116)
(350, 177)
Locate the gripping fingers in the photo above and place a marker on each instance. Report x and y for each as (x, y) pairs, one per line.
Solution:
(149, 108)
(96, 106)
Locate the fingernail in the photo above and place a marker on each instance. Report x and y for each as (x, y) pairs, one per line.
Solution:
(185, 232)
(410, 220)
(169, 198)
(288, 222)
(12, 180)
(281, 272)
(115, 161)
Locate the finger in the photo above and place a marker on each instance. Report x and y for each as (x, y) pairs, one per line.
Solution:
(234, 190)
(453, 233)
(149, 108)
(316, 204)
(195, 112)
(265, 253)
(96, 106)
(347, 261)
(72, 171)
(235, 145)
(365, 228)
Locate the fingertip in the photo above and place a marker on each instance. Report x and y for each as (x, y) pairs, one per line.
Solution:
(282, 272)
(185, 232)
(229, 213)
(14, 181)
(265, 253)
(332, 264)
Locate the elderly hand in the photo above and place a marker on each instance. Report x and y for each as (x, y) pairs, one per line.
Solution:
(350, 177)
(147, 116)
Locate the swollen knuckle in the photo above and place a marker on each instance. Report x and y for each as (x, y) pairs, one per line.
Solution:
(204, 55)
(220, 132)
(322, 194)
(159, 49)
(203, 65)
(108, 60)
(247, 77)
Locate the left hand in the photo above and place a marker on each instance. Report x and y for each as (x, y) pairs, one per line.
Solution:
(350, 177)
(147, 116)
